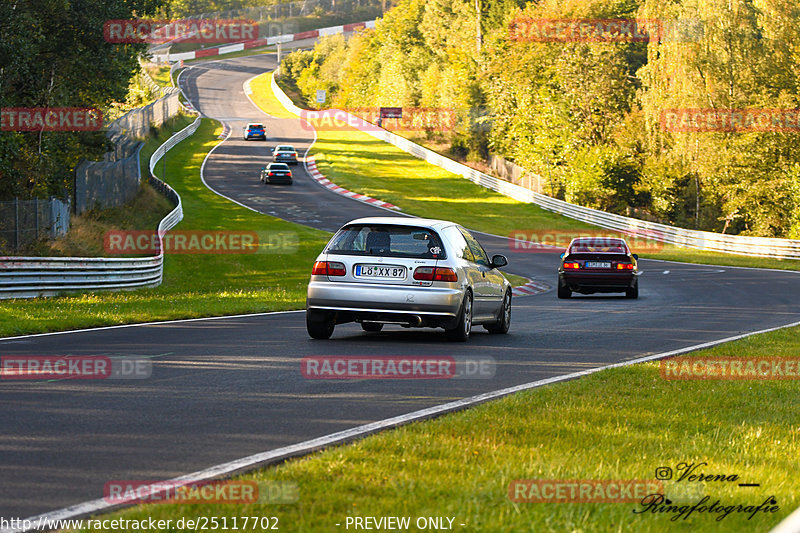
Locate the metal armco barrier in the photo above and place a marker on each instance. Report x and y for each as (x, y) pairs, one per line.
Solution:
(264, 41)
(700, 240)
(29, 277)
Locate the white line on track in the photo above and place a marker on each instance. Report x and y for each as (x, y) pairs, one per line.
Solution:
(176, 321)
(260, 460)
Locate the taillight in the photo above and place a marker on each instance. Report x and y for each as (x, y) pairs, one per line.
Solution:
(624, 266)
(271, 174)
(328, 268)
(336, 269)
(572, 266)
(445, 274)
(320, 268)
(423, 274)
(435, 274)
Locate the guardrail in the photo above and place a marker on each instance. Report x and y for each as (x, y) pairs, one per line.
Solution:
(700, 240)
(264, 41)
(30, 277)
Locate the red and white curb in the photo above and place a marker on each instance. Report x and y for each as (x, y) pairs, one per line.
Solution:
(264, 41)
(530, 288)
(189, 107)
(311, 166)
(226, 130)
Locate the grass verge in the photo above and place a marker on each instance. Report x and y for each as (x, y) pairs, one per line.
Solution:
(195, 285)
(87, 231)
(618, 424)
(361, 163)
(160, 74)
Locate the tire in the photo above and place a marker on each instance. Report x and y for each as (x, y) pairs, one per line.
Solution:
(564, 291)
(504, 321)
(460, 333)
(319, 324)
(632, 292)
(371, 326)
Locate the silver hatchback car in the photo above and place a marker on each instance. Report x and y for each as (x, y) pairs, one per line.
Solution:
(408, 271)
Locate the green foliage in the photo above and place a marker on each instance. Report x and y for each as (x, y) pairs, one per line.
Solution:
(586, 115)
(53, 54)
(421, 54)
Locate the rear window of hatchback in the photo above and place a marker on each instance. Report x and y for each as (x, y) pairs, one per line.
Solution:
(387, 241)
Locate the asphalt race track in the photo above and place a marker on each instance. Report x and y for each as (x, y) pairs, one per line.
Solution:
(222, 389)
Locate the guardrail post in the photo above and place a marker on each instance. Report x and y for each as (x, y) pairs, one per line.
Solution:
(53, 217)
(36, 216)
(16, 223)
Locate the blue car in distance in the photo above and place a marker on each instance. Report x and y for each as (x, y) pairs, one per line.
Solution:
(254, 130)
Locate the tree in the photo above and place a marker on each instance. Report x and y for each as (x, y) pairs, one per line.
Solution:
(53, 54)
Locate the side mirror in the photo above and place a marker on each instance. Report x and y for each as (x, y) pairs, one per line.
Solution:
(636, 256)
(561, 256)
(499, 261)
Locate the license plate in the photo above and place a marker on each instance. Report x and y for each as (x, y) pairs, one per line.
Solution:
(597, 264)
(380, 271)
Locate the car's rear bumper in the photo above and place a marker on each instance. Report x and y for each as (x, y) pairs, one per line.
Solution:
(598, 281)
(367, 299)
(280, 179)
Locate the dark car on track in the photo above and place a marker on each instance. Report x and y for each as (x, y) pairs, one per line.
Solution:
(284, 153)
(598, 264)
(276, 173)
(254, 130)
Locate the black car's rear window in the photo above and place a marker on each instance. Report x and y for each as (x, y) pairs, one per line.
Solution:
(387, 241)
(599, 245)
